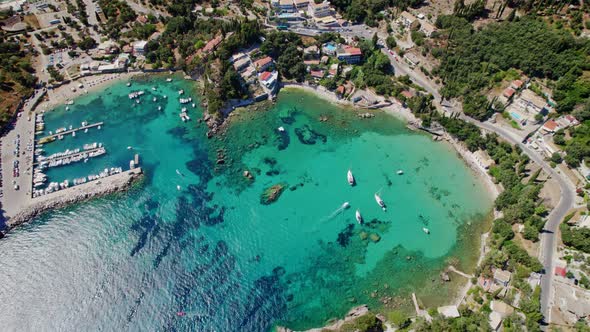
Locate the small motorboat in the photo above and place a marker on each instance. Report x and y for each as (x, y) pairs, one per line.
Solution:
(128, 83)
(350, 178)
(153, 88)
(168, 80)
(129, 147)
(178, 187)
(400, 172)
(159, 108)
(179, 173)
(359, 218)
(281, 129)
(425, 230)
(380, 202)
(345, 205)
(67, 108)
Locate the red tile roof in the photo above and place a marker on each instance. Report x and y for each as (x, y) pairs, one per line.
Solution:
(311, 62)
(353, 50)
(571, 119)
(211, 45)
(340, 90)
(407, 94)
(265, 75)
(317, 73)
(517, 84)
(550, 125)
(263, 62)
(560, 271)
(509, 92)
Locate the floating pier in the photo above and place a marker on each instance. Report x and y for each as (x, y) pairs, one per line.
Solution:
(66, 132)
(74, 156)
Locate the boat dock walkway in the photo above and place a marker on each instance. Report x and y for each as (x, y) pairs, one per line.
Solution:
(73, 155)
(463, 274)
(72, 130)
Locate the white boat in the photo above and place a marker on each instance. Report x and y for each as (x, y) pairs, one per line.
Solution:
(67, 108)
(178, 187)
(70, 102)
(425, 230)
(194, 105)
(128, 83)
(345, 205)
(153, 88)
(359, 218)
(281, 129)
(400, 172)
(159, 108)
(180, 92)
(129, 148)
(155, 99)
(350, 178)
(165, 96)
(168, 80)
(380, 202)
(179, 173)
(73, 134)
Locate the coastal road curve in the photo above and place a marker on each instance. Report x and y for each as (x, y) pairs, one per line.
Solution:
(567, 199)
(549, 233)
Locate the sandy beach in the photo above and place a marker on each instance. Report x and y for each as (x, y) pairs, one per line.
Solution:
(62, 94)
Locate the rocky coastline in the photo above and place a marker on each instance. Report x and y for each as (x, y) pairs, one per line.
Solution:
(60, 199)
(350, 318)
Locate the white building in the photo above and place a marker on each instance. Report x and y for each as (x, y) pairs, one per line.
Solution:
(407, 19)
(139, 47)
(319, 10)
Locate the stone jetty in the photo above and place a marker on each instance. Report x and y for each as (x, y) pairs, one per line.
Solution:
(61, 198)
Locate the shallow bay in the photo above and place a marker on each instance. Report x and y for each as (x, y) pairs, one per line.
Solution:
(210, 256)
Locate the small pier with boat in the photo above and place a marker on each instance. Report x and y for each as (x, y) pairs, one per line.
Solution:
(61, 132)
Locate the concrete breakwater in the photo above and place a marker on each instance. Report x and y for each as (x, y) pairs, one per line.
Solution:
(114, 183)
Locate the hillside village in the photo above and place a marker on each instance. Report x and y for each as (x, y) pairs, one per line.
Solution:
(411, 59)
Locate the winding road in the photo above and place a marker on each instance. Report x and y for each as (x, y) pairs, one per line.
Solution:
(567, 200)
(548, 234)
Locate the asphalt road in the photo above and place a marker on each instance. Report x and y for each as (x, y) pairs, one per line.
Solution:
(566, 202)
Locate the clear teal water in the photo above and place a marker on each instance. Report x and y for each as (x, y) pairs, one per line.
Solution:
(212, 251)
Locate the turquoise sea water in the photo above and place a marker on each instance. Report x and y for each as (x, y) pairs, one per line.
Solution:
(212, 257)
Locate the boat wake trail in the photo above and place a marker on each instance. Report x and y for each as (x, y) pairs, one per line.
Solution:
(336, 212)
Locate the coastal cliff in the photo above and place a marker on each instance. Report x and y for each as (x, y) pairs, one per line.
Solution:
(59, 199)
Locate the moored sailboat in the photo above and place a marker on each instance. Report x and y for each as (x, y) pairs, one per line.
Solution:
(359, 218)
(380, 202)
(350, 178)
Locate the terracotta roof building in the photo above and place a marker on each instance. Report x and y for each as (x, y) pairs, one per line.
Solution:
(262, 64)
(550, 126)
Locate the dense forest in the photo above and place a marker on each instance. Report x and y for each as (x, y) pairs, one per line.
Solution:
(472, 61)
(17, 78)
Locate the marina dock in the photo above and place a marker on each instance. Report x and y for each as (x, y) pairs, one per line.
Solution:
(61, 198)
(52, 137)
(70, 156)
